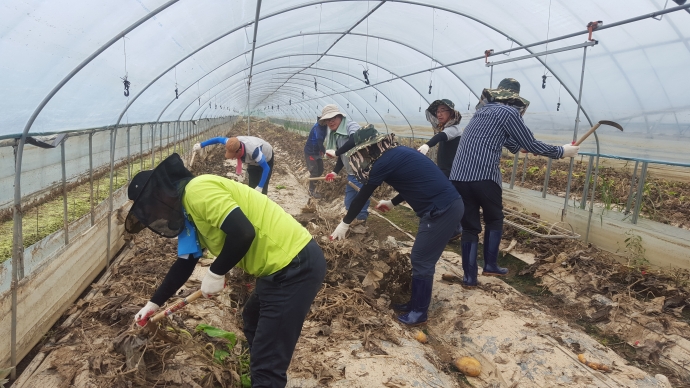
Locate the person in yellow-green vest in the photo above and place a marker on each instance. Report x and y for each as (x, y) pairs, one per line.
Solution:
(243, 228)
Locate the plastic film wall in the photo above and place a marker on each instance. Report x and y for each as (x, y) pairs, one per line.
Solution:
(308, 54)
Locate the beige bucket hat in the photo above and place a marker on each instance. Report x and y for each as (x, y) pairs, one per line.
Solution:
(329, 111)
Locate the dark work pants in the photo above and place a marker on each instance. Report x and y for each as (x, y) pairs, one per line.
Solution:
(487, 195)
(315, 167)
(255, 173)
(435, 229)
(274, 314)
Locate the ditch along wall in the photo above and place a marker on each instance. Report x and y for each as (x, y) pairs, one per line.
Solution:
(665, 245)
(51, 288)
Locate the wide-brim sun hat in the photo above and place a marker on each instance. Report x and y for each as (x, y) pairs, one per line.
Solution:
(328, 112)
(365, 137)
(157, 196)
(434, 105)
(507, 92)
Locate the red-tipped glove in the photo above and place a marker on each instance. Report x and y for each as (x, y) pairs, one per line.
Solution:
(330, 177)
(142, 317)
(330, 154)
(384, 206)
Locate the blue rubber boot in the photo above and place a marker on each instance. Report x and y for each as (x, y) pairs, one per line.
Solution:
(492, 241)
(469, 264)
(402, 307)
(419, 303)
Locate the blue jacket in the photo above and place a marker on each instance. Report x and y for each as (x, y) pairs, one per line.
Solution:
(315, 140)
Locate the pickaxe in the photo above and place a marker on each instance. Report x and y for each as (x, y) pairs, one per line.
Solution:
(594, 128)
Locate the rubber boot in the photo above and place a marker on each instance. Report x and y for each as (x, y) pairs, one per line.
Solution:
(312, 190)
(492, 241)
(402, 307)
(421, 298)
(469, 264)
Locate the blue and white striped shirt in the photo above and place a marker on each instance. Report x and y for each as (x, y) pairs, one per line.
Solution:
(493, 127)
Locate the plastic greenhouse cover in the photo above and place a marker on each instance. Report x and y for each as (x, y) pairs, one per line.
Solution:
(636, 75)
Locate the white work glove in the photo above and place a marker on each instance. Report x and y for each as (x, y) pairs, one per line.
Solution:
(570, 151)
(330, 153)
(259, 189)
(340, 231)
(385, 206)
(423, 149)
(330, 177)
(196, 147)
(212, 284)
(142, 317)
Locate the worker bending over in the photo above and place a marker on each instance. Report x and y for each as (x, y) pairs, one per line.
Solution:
(242, 228)
(378, 158)
(256, 152)
(476, 172)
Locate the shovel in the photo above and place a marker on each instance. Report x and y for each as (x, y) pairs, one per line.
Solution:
(594, 128)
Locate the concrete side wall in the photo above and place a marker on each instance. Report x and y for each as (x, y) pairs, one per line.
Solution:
(665, 245)
(44, 295)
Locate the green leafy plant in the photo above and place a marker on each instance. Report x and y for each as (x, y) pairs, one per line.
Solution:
(219, 355)
(634, 250)
(533, 170)
(280, 187)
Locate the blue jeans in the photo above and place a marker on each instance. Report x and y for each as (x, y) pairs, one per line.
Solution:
(350, 195)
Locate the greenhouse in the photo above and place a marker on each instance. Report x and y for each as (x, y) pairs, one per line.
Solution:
(345, 193)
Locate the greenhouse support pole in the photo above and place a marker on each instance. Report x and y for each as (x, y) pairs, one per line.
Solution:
(153, 145)
(491, 77)
(141, 147)
(167, 140)
(632, 186)
(640, 193)
(160, 140)
(113, 134)
(251, 62)
(512, 175)
(577, 123)
(93, 221)
(524, 170)
(594, 189)
(547, 175)
(129, 166)
(583, 202)
(65, 217)
(17, 258)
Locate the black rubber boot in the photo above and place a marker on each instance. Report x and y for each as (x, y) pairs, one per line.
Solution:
(469, 264)
(492, 241)
(419, 303)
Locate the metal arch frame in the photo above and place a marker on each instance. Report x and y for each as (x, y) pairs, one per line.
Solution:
(369, 12)
(364, 99)
(284, 56)
(297, 55)
(251, 63)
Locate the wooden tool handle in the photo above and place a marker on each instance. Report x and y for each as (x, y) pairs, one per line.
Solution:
(191, 162)
(586, 135)
(177, 306)
(318, 178)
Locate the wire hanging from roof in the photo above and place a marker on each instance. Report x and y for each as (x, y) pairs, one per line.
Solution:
(177, 95)
(433, 37)
(548, 28)
(125, 82)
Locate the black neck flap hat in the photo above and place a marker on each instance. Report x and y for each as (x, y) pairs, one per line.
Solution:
(369, 146)
(157, 196)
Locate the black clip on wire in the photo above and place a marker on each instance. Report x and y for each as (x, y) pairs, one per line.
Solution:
(176, 94)
(558, 107)
(126, 83)
(315, 86)
(543, 81)
(366, 76)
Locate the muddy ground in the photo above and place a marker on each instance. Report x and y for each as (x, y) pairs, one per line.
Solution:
(350, 337)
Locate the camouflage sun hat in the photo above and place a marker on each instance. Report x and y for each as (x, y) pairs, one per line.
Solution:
(363, 156)
(364, 137)
(508, 92)
(434, 105)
